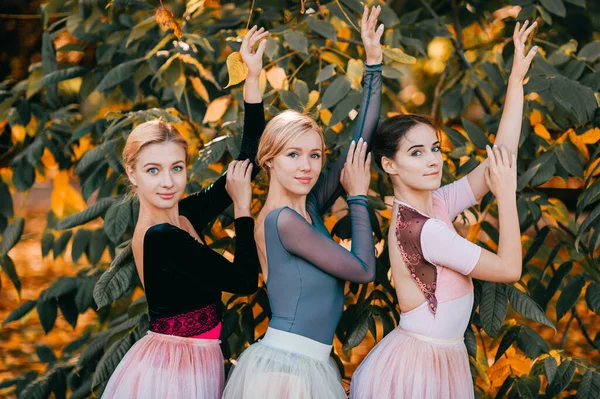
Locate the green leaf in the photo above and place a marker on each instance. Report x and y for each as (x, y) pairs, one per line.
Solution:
(531, 343)
(8, 267)
(507, 340)
(117, 219)
(20, 312)
(45, 353)
(506, 385)
(556, 7)
(301, 90)
(592, 297)
(556, 280)
(358, 331)
(98, 244)
(12, 234)
(388, 16)
(493, 307)
(580, 3)
(569, 158)
(526, 306)
(47, 241)
(551, 368)
(49, 65)
(96, 154)
(322, 27)
(211, 153)
(114, 282)
(69, 310)
(141, 29)
(326, 73)
(296, 40)
(564, 375)
(589, 387)
(80, 243)
(343, 108)
(119, 74)
(63, 74)
(590, 52)
(62, 286)
(535, 167)
(6, 203)
(291, 100)
(84, 299)
(88, 214)
(336, 91)
(47, 311)
(538, 241)
(77, 343)
(60, 244)
(569, 296)
(476, 135)
(471, 342)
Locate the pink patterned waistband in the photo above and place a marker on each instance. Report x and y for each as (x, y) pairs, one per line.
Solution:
(190, 324)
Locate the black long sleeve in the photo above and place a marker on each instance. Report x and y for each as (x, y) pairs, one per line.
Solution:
(203, 206)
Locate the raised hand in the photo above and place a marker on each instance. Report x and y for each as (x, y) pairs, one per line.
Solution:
(253, 58)
(371, 35)
(238, 186)
(521, 62)
(356, 174)
(501, 172)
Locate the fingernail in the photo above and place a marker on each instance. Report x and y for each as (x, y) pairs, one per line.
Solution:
(535, 48)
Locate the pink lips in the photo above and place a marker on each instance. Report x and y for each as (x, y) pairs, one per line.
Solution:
(304, 180)
(166, 196)
(433, 173)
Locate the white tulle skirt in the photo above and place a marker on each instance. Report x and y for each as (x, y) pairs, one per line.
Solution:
(405, 365)
(285, 366)
(162, 366)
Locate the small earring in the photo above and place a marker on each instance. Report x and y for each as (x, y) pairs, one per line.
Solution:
(134, 185)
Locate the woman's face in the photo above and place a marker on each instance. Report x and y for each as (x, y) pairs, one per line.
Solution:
(418, 161)
(160, 174)
(298, 166)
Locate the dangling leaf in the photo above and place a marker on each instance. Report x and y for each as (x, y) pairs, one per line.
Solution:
(397, 55)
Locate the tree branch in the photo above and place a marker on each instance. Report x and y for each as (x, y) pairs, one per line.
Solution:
(440, 84)
(564, 338)
(584, 329)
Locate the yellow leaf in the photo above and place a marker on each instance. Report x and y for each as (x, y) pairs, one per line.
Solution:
(536, 117)
(578, 141)
(313, 97)
(592, 167)
(277, 78)
(79, 150)
(333, 59)
(541, 131)
(199, 88)
(473, 232)
(18, 133)
(48, 159)
(354, 71)
(32, 127)
(237, 69)
(176, 29)
(330, 222)
(216, 109)
(397, 55)
(325, 116)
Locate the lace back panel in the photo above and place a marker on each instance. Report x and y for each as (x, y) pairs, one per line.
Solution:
(187, 324)
(409, 225)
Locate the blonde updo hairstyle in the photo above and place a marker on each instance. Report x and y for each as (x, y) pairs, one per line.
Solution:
(148, 133)
(281, 131)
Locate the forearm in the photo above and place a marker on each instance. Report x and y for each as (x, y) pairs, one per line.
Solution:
(509, 246)
(362, 237)
(252, 90)
(509, 130)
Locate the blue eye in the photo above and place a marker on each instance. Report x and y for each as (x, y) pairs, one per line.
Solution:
(316, 156)
(416, 153)
(436, 149)
(152, 171)
(177, 168)
(293, 155)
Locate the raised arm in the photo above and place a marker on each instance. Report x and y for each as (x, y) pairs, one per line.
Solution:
(509, 130)
(203, 206)
(328, 189)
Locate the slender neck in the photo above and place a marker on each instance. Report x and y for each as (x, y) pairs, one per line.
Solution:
(279, 197)
(421, 200)
(151, 215)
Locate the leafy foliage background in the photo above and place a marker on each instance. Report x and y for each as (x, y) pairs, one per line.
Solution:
(109, 65)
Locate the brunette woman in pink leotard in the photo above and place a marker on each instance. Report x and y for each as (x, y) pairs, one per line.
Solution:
(432, 266)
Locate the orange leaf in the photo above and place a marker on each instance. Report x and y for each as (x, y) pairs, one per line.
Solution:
(166, 20)
(237, 69)
(18, 133)
(536, 117)
(199, 88)
(277, 78)
(354, 72)
(216, 109)
(541, 131)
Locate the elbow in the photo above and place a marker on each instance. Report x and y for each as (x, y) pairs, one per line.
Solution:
(514, 270)
(367, 277)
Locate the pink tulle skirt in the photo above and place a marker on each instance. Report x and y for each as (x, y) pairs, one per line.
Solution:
(162, 366)
(412, 366)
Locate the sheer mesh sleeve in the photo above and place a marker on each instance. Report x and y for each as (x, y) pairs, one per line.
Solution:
(181, 253)
(299, 238)
(328, 188)
(203, 206)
